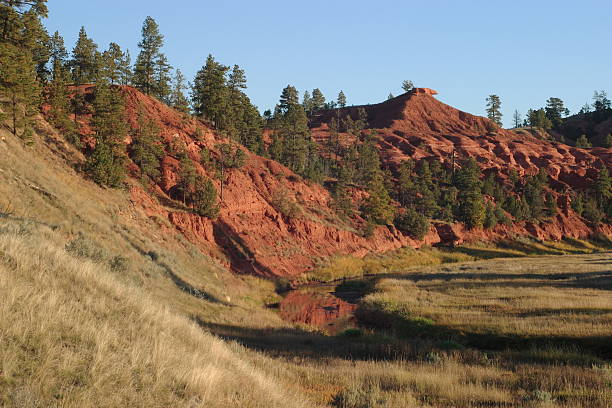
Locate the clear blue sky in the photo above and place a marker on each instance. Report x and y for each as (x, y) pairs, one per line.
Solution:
(524, 51)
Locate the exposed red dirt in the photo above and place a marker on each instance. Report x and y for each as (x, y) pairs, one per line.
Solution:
(250, 235)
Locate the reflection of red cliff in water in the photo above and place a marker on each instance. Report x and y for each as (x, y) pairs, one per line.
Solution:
(322, 310)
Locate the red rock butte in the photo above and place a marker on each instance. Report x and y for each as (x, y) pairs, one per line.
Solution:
(427, 91)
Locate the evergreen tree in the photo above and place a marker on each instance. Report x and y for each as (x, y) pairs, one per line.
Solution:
(591, 212)
(151, 71)
(58, 54)
(517, 119)
(390, 96)
(538, 118)
(289, 97)
(307, 102)
(413, 223)
(377, 207)
(58, 98)
(341, 99)
(583, 142)
(84, 62)
(490, 218)
(494, 109)
(578, 203)
(187, 177)
(318, 100)
(470, 208)
(146, 152)
(177, 97)
(551, 205)
(607, 143)
(407, 86)
(209, 93)
(204, 197)
(106, 165)
(111, 64)
(125, 69)
(603, 186)
(555, 111)
(163, 81)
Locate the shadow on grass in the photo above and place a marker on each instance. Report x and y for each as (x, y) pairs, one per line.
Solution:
(294, 342)
(419, 328)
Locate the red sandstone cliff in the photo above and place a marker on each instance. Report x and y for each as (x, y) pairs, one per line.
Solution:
(252, 236)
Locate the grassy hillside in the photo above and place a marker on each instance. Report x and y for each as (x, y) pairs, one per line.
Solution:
(104, 306)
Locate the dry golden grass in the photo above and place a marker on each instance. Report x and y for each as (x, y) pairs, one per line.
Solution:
(72, 335)
(111, 328)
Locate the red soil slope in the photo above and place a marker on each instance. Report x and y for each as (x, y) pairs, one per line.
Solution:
(417, 125)
(252, 236)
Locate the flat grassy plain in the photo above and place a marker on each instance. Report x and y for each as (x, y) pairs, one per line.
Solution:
(101, 306)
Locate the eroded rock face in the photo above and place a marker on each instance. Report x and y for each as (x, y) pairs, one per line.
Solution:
(427, 91)
(251, 235)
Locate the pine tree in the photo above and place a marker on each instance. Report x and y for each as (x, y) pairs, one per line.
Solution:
(551, 205)
(177, 97)
(341, 99)
(106, 165)
(58, 98)
(36, 40)
(607, 143)
(24, 53)
(163, 81)
(151, 71)
(470, 208)
(490, 218)
(125, 69)
(537, 118)
(187, 177)
(289, 97)
(583, 142)
(307, 102)
(111, 64)
(377, 207)
(18, 83)
(205, 197)
(58, 54)
(145, 150)
(318, 100)
(494, 109)
(407, 86)
(413, 223)
(84, 62)
(517, 119)
(603, 186)
(209, 93)
(555, 111)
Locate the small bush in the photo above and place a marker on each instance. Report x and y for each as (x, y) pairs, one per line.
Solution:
(359, 397)
(119, 263)
(286, 206)
(412, 223)
(82, 247)
(352, 332)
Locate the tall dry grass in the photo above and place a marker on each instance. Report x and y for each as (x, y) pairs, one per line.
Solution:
(72, 335)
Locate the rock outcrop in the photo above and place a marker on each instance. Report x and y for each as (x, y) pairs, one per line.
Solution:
(251, 233)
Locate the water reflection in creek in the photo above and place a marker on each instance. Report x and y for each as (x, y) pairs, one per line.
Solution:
(322, 307)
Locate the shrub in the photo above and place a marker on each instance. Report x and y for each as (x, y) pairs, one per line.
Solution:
(119, 263)
(82, 247)
(286, 206)
(412, 223)
(352, 332)
(359, 397)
